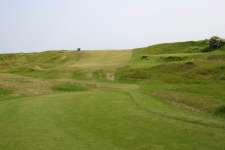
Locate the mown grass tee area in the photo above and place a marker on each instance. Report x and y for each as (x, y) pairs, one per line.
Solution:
(163, 97)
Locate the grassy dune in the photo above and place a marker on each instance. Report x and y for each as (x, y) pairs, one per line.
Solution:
(167, 96)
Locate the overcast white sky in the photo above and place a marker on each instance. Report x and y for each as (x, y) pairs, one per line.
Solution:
(35, 25)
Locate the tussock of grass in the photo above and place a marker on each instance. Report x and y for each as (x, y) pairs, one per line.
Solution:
(70, 87)
(79, 75)
(173, 58)
(5, 91)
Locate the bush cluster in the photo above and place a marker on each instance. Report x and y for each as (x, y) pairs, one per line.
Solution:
(216, 42)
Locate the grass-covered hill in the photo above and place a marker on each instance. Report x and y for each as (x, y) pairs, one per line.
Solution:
(167, 96)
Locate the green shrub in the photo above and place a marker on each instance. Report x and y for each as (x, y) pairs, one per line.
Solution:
(144, 57)
(220, 111)
(216, 42)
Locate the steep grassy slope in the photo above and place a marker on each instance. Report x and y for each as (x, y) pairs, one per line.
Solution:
(193, 80)
(167, 96)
